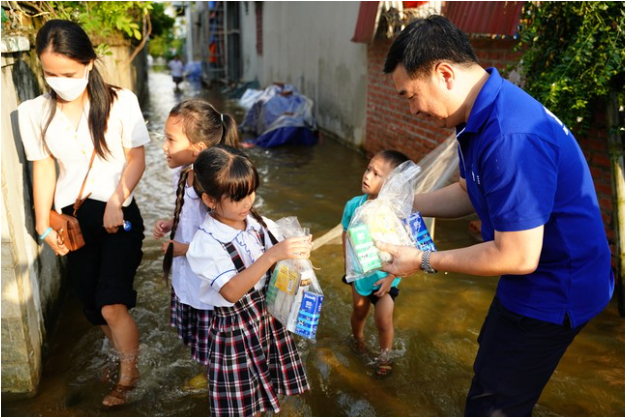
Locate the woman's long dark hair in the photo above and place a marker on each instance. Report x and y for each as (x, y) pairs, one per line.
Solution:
(70, 40)
(224, 171)
(201, 123)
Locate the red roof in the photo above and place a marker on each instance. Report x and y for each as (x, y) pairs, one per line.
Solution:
(486, 17)
(366, 21)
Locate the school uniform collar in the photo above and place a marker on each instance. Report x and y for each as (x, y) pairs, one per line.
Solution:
(482, 108)
(177, 170)
(226, 234)
(190, 192)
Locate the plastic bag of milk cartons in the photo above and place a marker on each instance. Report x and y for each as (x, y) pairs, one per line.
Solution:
(294, 295)
(381, 219)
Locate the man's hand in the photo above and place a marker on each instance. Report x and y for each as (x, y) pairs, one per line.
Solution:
(405, 260)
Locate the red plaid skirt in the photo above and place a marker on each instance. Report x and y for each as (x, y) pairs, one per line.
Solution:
(192, 326)
(252, 359)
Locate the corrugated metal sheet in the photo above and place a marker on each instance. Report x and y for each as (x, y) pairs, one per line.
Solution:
(366, 21)
(478, 17)
(485, 17)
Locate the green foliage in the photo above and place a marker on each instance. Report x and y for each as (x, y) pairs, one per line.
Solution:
(162, 24)
(157, 46)
(103, 20)
(166, 47)
(574, 55)
(162, 40)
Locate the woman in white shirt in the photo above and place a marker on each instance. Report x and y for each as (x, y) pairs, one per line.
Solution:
(80, 116)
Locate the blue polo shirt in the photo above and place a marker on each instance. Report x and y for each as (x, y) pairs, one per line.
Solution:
(525, 169)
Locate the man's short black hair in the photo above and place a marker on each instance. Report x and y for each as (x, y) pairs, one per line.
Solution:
(425, 42)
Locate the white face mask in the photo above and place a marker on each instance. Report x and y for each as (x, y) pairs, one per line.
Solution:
(68, 88)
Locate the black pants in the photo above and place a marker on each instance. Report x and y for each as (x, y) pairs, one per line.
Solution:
(102, 271)
(517, 356)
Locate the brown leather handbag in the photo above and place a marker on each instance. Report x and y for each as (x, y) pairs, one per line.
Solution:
(67, 227)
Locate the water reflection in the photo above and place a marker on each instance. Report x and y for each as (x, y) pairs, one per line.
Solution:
(437, 318)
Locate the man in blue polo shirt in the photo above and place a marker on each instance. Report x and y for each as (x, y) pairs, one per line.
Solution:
(524, 174)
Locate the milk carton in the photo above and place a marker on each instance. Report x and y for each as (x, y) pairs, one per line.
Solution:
(419, 232)
(309, 315)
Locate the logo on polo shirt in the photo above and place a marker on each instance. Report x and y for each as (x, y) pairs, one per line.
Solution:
(564, 128)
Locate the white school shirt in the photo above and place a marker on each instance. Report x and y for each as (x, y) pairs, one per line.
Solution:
(213, 264)
(176, 67)
(185, 282)
(72, 149)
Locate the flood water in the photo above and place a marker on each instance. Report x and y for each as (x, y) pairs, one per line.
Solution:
(437, 318)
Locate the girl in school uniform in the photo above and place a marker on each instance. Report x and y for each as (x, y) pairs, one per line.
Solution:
(252, 358)
(192, 126)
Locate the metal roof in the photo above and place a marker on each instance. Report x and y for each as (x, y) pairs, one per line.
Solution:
(474, 17)
(485, 17)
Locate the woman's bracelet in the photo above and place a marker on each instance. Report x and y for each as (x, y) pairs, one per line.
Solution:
(43, 236)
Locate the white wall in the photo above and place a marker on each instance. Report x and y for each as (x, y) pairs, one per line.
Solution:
(308, 45)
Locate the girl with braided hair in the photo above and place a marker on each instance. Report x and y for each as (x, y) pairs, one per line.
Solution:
(192, 126)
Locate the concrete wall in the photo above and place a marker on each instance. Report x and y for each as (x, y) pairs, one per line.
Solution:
(308, 45)
(32, 275)
(117, 71)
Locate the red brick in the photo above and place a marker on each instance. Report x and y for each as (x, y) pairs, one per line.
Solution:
(604, 189)
(605, 203)
(601, 159)
(597, 173)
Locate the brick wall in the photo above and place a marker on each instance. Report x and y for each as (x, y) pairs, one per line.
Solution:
(497, 53)
(388, 121)
(595, 149)
(390, 125)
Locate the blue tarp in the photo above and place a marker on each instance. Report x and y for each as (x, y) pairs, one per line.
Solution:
(193, 70)
(279, 115)
(287, 136)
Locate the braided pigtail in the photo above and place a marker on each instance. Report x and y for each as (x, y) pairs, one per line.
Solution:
(180, 199)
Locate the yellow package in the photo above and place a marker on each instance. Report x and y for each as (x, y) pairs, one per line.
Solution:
(287, 280)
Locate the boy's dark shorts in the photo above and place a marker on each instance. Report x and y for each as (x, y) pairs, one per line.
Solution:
(373, 298)
(177, 80)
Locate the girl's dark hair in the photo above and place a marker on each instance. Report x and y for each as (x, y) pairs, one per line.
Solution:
(395, 158)
(201, 123)
(180, 200)
(226, 172)
(424, 42)
(70, 40)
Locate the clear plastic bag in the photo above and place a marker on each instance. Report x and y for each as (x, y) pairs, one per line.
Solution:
(381, 219)
(294, 294)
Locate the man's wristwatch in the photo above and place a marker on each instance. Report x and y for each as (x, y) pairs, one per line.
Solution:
(426, 265)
